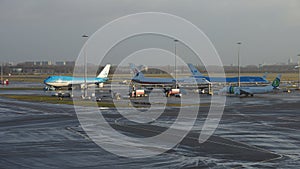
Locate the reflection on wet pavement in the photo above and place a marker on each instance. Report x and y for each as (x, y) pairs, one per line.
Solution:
(258, 132)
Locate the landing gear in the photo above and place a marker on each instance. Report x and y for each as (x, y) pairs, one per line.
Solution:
(48, 88)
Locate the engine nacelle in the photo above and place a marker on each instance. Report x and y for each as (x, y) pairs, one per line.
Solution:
(234, 90)
(101, 85)
(237, 91)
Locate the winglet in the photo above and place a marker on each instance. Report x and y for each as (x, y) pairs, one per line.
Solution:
(104, 72)
(194, 70)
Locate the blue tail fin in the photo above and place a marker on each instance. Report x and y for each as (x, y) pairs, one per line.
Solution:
(139, 75)
(265, 75)
(276, 81)
(194, 70)
(134, 69)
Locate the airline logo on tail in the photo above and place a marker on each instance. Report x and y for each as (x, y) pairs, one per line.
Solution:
(104, 72)
(276, 82)
(136, 69)
(139, 75)
(133, 69)
(194, 71)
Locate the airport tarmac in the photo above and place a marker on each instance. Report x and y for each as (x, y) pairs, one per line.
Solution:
(17, 84)
(254, 132)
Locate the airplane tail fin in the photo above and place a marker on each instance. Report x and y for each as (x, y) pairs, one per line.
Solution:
(194, 70)
(138, 76)
(141, 67)
(104, 72)
(134, 69)
(276, 81)
(265, 75)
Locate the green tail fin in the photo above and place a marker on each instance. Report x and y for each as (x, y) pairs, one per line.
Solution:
(276, 81)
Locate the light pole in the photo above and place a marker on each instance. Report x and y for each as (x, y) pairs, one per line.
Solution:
(2, 73)
(175, 65)
(239, 68)
(298, 72)
(85, 69)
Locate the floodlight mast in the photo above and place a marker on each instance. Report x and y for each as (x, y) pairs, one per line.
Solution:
(239, 67)
(85, 69)
(175, 65)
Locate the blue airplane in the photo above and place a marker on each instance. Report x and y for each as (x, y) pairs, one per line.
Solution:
(243, 79)
(251, 90)
(69, 81)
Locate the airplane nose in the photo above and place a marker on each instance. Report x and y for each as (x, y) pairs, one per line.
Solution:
(47, 80)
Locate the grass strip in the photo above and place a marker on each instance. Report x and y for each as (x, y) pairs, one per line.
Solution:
(69, 101)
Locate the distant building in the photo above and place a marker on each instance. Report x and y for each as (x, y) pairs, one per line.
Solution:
(46, 63)
(38, 63)
(61, 63)
(290, 61)
(17, 70)
(41, 63)
(70, 63)
(28, 63)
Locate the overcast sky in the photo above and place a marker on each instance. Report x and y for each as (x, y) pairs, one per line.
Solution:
(51, 29)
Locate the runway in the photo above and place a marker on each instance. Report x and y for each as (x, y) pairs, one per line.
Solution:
(258, 132)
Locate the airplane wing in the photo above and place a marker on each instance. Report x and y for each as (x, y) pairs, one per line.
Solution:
(245, 91)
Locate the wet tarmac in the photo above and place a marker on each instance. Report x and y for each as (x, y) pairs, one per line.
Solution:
(18, 84)
(254, 132)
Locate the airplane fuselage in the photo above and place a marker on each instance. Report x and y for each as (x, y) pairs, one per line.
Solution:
(65, 81)
(170, 81)
(250, 90)
(243, 79)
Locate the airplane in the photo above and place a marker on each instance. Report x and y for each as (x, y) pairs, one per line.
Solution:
(251, 90)
(135, 69)
(54, 82)
(243, 79)
(139, 78)
(170, 85)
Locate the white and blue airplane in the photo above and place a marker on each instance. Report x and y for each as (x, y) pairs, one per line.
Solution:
(140, 78)
(243, 79)
(251, 90)
(70, 81)
(168, 83)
